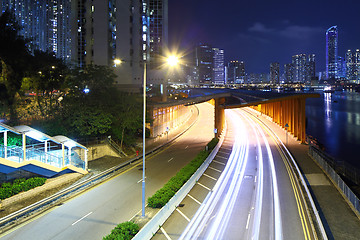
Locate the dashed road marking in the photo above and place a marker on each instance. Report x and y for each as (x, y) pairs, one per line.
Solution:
(170, 159)
(81, 218)
(221, 157)
(165, 234)
(183, 215)
(219, 162)
(215, 169)
(204, 186)
(248, 221)
(186, 147)
(209, 176)
(194, 199)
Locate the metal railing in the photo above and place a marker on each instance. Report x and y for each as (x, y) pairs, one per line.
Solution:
(52, 158)
(323, 160)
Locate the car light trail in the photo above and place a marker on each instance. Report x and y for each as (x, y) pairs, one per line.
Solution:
(236, 162)
(277, 216)
(210, 224)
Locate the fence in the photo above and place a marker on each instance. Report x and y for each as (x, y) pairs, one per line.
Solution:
(325, 162)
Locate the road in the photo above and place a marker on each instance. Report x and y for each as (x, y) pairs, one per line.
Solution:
(254, 197)
(93, 214)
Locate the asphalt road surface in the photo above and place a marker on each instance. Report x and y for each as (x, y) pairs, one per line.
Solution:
(255, 196)
(93, 214)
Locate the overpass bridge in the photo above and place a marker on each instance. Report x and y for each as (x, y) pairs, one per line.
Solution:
(285, 108)
(40, 153)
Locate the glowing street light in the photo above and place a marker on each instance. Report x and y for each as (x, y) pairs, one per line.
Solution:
(117, 61)
(172, 61)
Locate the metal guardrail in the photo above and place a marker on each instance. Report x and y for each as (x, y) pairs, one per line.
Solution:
(320, 158)
(160, 217)
(82, 185)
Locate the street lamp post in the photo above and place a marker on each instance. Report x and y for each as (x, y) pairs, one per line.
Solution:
(172, 61)
(144, 122)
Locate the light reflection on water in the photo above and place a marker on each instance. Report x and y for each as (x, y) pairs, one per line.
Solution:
(334, 119)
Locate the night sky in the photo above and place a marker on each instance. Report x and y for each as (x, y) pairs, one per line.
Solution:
(262, 31)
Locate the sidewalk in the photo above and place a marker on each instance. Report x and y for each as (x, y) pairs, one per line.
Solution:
(339, 220)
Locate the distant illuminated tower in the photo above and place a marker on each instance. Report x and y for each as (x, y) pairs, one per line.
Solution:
(352, 65)
(236, 72)
(158, 30)
(331, 52)
(204, 59)
(299, 67)
(310, 68)
(218, 67)
(289, 73)
(275, 73)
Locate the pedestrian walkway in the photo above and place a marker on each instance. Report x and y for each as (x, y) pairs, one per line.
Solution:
(339, 219)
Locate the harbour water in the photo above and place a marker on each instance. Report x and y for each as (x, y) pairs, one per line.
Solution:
(334, 120)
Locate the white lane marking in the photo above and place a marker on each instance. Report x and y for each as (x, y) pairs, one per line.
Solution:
(204, 186)
(248, 221)
(194, 199)
(256, 158)
(215, 169)
(209, 176)
(219, 162)
(229, 149)
(255, 178)
(221, 157)
(165, 234)
(140, 180)
(183, 215)
(170, 159)
(81, 218)
(186, 147)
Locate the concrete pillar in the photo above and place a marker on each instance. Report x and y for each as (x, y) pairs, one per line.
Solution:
(5, 144)
(86, 159)
(219, 116)
(69, 155)
(296, 117)
(24, 146)
(303, 120)
(63, 154)
(46, 150)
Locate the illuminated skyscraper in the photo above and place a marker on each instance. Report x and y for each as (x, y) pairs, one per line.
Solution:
(275, 73)
(97, 31)
(352, 65)
(331, 52)
(236, 72)
(310, 68)
(46, 23)
(218, 66)
(204, 58)
(299, 66)
(158, 34)
(289, 73)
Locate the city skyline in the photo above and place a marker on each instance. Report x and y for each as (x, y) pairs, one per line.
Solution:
(262, 32)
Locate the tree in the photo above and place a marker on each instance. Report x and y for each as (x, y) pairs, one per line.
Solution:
(46, 79)
(89, 113)
(127, 118)
(14, 58)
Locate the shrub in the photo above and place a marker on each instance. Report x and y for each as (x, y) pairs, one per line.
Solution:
(163, 195)
(125, 230)
(20, 185)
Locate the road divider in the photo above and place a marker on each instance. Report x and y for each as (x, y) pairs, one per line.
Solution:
(158, 220)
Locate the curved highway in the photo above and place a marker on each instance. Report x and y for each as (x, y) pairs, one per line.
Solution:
(93, 214)
(257, 195)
